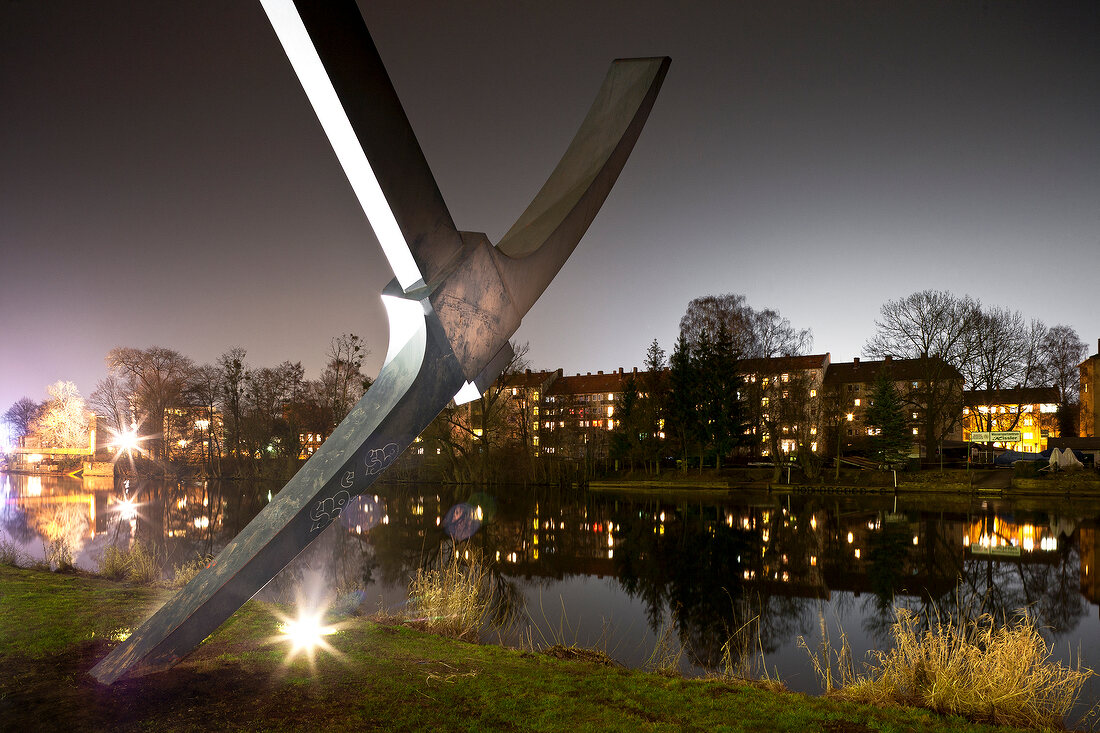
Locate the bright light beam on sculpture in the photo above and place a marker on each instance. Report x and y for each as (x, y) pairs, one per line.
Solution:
(455, 302)
(307, 65)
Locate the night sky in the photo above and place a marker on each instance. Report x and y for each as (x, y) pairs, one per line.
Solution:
(163, 180)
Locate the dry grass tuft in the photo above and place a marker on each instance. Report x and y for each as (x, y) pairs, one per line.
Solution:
(580, 654)
(183, 574)
(10, 554)
(833, 666)
(138, 564)
(743, 658)
(451, 600)
(667, 652)
(999, 673)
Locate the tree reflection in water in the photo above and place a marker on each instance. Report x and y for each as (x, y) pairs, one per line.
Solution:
(710, 564)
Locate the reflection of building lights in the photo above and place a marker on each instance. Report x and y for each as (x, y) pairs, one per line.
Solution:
(813, 521)
(610, 554)
(851, 538)
(857, 553)
(480, 515)
(813, 561)
(915, 539)
(34, 486)
(966, 540)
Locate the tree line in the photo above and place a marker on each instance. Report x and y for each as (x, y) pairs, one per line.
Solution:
(700, 404)
(709, 407)
(175, 405)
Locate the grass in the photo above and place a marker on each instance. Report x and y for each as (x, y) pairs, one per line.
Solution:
(137, 564)
(992, 672)
(452, 599)
(57, 626)
(10, 554)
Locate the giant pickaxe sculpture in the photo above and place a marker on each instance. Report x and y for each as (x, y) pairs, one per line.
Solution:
(453, 305)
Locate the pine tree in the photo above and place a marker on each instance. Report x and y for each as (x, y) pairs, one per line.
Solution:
(891, 437)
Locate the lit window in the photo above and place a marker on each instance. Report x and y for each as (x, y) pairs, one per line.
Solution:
(785, 377)
(856, 402)
(850, 417)
(813, 431)
(610, 397)
(813, 393)
(813, 446)
(914, 416)
(914, 431)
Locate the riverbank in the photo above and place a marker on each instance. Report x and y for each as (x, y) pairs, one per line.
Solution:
(1006, 482)
(380, 676)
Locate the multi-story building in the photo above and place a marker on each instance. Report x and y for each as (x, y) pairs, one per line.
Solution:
(1090, 405)
(851, 384)
(783, 396)
(1030, 411)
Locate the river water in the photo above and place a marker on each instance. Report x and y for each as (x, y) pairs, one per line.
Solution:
(633, 572)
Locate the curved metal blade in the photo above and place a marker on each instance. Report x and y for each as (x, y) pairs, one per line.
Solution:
(409, 392)
(454, 304)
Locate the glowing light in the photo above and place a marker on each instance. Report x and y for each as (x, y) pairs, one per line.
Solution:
(916, 540)
(813, 522)
(34, 486)
(857, 553)
(851, 538)
(127, 440)
(318, 87)
(306, 633)
(127, 509)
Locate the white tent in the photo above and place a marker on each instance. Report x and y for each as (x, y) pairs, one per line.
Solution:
(1064, 459)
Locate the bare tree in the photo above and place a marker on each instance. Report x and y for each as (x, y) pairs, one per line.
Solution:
(754, 334)
(203, 391)
(1062, 351)
(110, 400)
(342, 381)
(933, 326)
(271, 392)
(233, 377)
(155, 378)
(22, 414)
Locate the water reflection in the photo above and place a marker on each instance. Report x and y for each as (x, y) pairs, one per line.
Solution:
(587, 562)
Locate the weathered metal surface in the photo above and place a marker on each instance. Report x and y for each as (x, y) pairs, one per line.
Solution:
(457, 318)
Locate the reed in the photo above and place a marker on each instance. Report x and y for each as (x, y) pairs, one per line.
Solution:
(452, 599)
(138, 564)
(10, 554)
(667, 652)
(182, 574)
(1000, 673)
